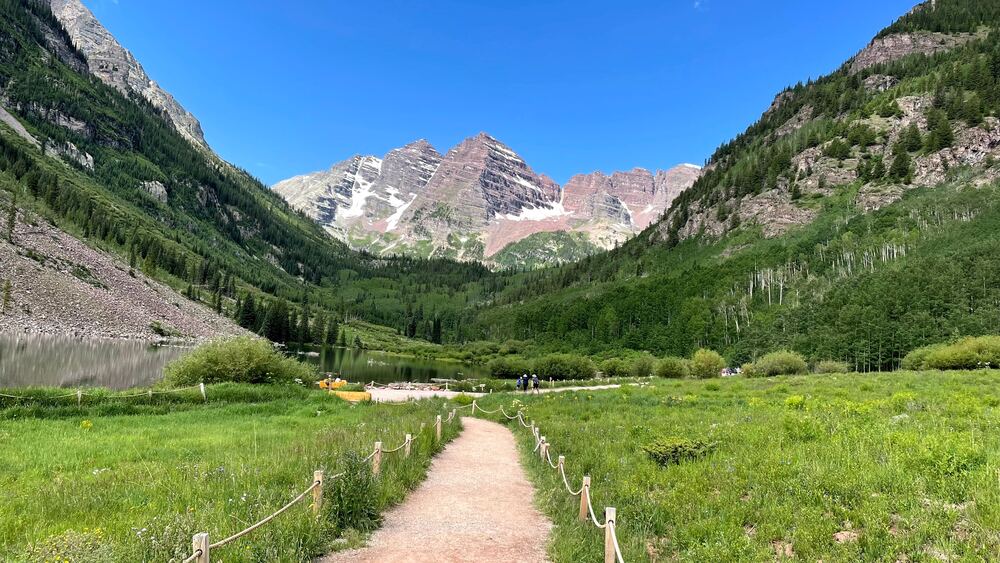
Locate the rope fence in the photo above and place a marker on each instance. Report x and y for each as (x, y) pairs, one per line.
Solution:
(201, 548)
(612, 551)
(80, 394)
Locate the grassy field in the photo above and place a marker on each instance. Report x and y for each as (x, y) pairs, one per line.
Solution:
(890, 467)
(98, 484)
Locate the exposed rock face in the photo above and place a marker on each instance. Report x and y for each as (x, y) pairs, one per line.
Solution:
(363, 193)
(114, 65)
(69, 151)
(477, 199)
(155, 189)
(896, 46)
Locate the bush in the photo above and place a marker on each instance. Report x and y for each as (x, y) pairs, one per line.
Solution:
(462, 399)
(968, 353)
(782, 362)
(615, 367)
(831, 366)
(564, 366)
(240, 360)
(643, 366)
(707, 363)
(673, 367)
(668, 451)
(508, 367)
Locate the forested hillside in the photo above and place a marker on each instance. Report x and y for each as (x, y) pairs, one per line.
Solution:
(856, 220)
(111, 170)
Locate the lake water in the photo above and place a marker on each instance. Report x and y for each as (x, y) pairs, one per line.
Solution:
(64, 361)
(365, 365)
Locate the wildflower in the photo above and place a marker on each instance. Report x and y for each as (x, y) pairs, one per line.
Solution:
(86, 424)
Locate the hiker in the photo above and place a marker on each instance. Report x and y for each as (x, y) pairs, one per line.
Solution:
(535, 383)
(524, 382)
(517, 383)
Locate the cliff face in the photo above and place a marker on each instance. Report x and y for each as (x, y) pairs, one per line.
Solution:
(898, 45)
(475, 200)
(114, 65)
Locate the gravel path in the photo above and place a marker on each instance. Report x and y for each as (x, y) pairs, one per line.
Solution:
(403, 395)
(475, 505)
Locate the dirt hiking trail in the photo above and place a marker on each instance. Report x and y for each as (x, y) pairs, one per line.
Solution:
(475, 505)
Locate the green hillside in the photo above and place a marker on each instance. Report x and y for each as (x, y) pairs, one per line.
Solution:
(778, 245)
(217, 233)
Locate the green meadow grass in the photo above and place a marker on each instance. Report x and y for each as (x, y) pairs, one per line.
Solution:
(91, 486)
(891, 467)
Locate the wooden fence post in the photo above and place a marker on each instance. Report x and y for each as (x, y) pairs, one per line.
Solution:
(377, 460)
(79, 397)
(584, 493)
(406, 448)
(562, 463)
(437, 429)
(203, 394)
(199, 543)
(609, 535)
(473, 407)
(541, 448)
(552, 383)
(317, 492)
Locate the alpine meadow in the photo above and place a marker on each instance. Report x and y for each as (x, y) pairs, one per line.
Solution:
(432, 350)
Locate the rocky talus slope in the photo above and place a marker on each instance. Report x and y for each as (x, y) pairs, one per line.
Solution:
(61, 285)
(476, 200)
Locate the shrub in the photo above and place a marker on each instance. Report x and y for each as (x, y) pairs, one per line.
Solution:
(831, 366)
(968, 353)
(241, 360)
(462, 399)
(508, 367)
(673, 367)
(643, 366)
(668, 451)
(564, 366)
(615, 367)
(782, 362)
(707, 363)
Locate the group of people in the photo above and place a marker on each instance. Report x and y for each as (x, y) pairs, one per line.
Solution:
(524, 382)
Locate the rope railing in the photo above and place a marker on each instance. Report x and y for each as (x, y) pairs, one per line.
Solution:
(612, 551)
(80, 394)
(201, 548)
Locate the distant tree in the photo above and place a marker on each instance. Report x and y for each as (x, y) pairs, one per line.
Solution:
(910, 139)
(275, 325)
(358, 343)
(900, 169)
(11, 218)
(246, 316)
(940, 135)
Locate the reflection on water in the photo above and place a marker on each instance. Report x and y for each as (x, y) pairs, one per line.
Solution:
(362, 365)
(65, 361)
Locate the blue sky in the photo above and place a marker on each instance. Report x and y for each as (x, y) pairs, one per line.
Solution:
(287, 87)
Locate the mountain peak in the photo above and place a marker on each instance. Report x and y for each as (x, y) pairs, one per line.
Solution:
(114, 65)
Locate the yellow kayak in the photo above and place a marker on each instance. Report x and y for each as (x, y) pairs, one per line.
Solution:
(353, 396)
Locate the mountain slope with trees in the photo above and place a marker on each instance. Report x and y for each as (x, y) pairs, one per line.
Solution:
(856, 220)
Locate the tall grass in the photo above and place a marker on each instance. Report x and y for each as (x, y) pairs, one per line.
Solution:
(889, 467)
(135, 488)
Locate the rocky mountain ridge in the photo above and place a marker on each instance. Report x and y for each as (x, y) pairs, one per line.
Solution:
(114, 65)
(475, 200)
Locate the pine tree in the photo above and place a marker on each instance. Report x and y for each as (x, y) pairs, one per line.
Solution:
(275, 325)
(11, 218)
(941, 135)
(910, 139)
(247, 315)
(900, 169)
